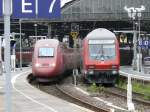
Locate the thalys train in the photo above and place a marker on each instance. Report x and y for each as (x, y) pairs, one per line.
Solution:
(51, 59)
(100, 57)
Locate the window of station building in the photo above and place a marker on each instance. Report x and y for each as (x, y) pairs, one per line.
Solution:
(82, 6)
(117, 6)
(46, 52)
(96, 6)
(76, 8)
(100, 5)
(76, 11)
(87, 6)
(107, 5)
(67, 11)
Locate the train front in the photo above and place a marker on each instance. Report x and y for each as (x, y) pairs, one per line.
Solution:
(47, 60)
(101, 58)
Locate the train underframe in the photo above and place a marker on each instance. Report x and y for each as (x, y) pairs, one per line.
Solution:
(102, 77)
(46, 79)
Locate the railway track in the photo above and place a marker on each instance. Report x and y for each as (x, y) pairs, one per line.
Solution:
(87, 104)
(56, 90)
(65, 90)
(122, 93)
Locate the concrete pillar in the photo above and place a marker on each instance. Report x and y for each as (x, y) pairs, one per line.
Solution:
(13, 63)
(130, 104)
(134, 49)
(49, 31)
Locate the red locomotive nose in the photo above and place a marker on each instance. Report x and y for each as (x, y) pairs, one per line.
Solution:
(46, 67)
(45, 71)
(100, 56)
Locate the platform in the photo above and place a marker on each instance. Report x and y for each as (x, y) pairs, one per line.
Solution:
(1, 94)
(128, 70)
(26, 98)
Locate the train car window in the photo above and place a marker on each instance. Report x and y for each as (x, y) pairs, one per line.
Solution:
(109, 51)
(46, 52)
(95, 51)
(102, 51)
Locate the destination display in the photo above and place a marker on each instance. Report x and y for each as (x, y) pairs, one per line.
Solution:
(95, 41)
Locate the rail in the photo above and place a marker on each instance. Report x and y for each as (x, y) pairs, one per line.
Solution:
(99, 109)
(123, 95)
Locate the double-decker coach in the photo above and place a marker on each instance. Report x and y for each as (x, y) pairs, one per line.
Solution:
(101, 60)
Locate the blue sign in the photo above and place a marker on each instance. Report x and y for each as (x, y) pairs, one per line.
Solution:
(1, 12)
(36, 8)
(144, 43)
(49, 9)
(23, 9)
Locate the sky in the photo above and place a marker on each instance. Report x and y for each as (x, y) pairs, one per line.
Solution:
(64, 1)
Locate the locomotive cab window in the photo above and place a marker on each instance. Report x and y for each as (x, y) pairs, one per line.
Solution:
(102, 49)
(46, 52)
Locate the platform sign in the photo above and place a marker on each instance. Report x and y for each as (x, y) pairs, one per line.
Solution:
(49, 9)
(144, 43)
(36, 9)
(24, 9)
(74, 35)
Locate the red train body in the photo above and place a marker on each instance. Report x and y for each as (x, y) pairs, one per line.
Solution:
(47, 59)
(51, 59)
(26, 57)
(101, 59)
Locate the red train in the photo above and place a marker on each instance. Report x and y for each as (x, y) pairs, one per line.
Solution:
(51, 59)
(26, 57)
(101, 59)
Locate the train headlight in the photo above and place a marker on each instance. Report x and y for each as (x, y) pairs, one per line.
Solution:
(37, 65)
(114, 72)
(91, 66)
(85, 71)
(91, 72)
(53, 64)
(114, 67)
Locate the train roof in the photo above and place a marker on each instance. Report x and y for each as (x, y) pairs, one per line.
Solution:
(47, 42)
(101, 33)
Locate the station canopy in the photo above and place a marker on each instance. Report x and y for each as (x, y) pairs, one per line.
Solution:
(97, 10)
(102, 10)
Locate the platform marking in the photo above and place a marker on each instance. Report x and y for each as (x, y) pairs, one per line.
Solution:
(72, 104)
(110, 104)
(106, 102)
(35, 101)
(82, 91)
(81, 108)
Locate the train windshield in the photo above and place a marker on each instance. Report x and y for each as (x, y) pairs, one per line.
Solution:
(46, 52)
(102, 51)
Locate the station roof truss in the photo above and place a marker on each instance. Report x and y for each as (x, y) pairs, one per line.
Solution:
(102, 10)
(96, 10)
